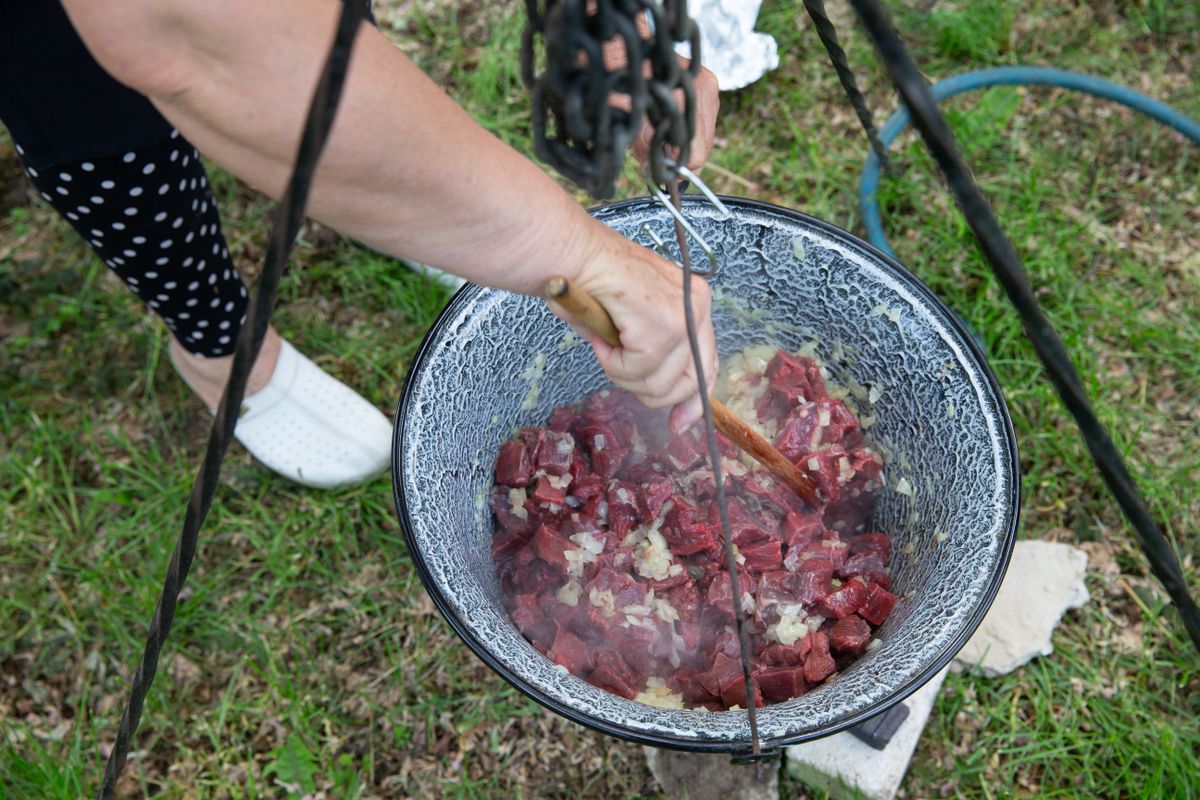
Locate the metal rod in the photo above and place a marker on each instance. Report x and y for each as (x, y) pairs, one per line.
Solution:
(1006, 265)
(714, 455)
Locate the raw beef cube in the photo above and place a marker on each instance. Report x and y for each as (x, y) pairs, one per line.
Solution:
(586, 487)
(878, 605)
(612, 674)
(551, 548)
(879, 543)
(844, 601)
(695, 649)
(868, 565)
(763, 556)
(812, 579)
(622, 508)
(866, 462)
(547, 495)
(653, 494)
(795, 377)
(579, 466)
(850, 635)
(532, 624)
(569, 651)
(684, 452)
(723, 670)
(639, 648)
(641, 469)
(505, 544)
(800, 529)
(788, 655)
(842, 423)
(513, 465)
(733, 693)
(607, 451)
(830, 547)
(686, 531)
(555, 452)
(532, 437)
(746, 527)
(824, 469)
(502, 508)
(800, 433)
(536, 577)
(774, 587)
(625, 590)
(819, 664)
(670, 582)
(686, 681)
(686, 600)
(719, 593)
(781, 683)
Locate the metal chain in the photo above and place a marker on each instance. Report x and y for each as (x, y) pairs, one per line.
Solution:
(288, 216)
(587, 112)
(841, 65)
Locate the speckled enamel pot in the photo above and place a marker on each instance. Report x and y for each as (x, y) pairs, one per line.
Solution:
(784, 279)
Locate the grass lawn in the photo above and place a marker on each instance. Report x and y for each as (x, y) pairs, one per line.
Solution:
(307, 659)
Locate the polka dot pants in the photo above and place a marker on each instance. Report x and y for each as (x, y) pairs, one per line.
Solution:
(151, 217)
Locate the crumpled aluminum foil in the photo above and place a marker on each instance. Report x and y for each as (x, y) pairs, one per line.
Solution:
(736, 54)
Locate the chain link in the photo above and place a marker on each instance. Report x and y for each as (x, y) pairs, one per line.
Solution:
(587, 109)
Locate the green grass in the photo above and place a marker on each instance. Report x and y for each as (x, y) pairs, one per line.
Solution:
(307, 657)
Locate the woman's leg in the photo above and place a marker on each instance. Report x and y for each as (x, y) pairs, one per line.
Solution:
(104, 157)
(150, 215)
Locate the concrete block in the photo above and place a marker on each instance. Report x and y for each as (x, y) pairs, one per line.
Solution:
(1043, 580)
(848, 768)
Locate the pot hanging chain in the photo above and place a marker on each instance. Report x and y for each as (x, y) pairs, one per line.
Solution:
(588, 109)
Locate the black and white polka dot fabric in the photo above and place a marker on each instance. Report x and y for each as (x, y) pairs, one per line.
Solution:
(151, 217)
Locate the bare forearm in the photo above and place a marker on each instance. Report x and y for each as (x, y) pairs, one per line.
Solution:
(405, 169)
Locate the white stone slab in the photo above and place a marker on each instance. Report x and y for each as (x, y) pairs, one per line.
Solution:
(1043, 580)
(848, 768)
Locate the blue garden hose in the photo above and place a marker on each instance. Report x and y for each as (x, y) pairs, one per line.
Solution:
(1008, 76)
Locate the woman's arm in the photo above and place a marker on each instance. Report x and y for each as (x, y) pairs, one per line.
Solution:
(405, 170)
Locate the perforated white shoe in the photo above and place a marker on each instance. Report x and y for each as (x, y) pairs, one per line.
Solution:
(311, 428)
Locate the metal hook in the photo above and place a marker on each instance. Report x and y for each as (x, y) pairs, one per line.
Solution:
(692, 177)
(723, 213)
(661, 247)
(708, 251)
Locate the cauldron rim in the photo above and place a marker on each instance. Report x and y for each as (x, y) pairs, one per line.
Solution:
(659, 739)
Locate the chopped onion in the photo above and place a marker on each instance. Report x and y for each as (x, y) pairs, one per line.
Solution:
(568, 593)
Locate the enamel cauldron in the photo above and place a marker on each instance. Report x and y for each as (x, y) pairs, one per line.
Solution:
(495, 361)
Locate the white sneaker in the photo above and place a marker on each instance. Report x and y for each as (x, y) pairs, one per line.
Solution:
(311, 428)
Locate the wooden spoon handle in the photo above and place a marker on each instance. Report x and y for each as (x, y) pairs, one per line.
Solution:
(588, 311)
(584, 308)
(762, 451)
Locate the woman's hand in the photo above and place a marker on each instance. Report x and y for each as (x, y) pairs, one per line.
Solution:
(708, 102)
(643, 295)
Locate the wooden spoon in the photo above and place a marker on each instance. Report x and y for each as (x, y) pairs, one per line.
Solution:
(588, 311)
